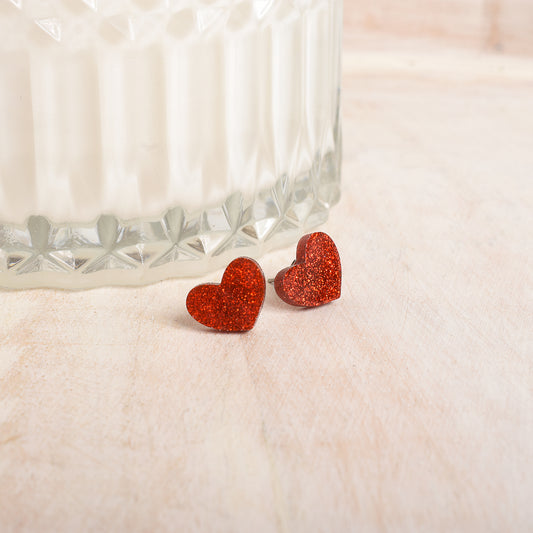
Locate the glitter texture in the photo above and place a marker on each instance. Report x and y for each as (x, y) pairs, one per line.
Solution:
(234, 305)
(315, 277)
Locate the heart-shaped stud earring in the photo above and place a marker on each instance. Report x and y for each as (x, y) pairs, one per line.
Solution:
(235, 303)
(315, 277)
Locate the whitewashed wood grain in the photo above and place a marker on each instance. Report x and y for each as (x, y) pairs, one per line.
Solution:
(405, 406)
(500, 25)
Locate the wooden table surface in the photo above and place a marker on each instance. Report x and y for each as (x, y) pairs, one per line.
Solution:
(405, 406)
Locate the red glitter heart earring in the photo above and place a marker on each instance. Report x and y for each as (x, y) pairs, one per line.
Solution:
(315, 277)
(235, 303)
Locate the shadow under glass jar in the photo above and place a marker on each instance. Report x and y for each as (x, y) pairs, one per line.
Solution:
(147, 139)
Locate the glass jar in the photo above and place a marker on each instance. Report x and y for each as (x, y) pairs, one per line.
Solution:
(146, 139)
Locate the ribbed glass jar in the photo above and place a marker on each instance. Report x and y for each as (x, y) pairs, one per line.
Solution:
(145, 139)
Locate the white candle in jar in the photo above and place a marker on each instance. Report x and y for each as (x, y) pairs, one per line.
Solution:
(145, 139)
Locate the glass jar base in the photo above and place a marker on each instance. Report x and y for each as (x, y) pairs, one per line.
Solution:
(111, 251)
